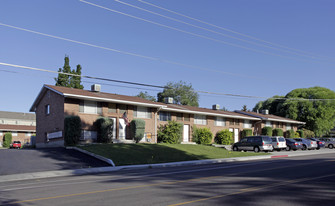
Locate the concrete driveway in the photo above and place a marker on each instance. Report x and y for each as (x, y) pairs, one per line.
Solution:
(14, 161)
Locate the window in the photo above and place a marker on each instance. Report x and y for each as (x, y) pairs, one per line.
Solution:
(268, 124)
(281, 125)
(247, 124)
(14, 134)
(220, 121)
(288, 126)
(142, 112)
(200, 119)
(28, 134)
(90, 107)
(111, 108)
(122, 108)
(164, 116)
(186, 117)
(179, 117)
(47, 109)
(234, 122)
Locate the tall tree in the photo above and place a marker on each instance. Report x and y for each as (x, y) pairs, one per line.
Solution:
(65, 80)
(181, 93)
(318, 113)
(146, 96)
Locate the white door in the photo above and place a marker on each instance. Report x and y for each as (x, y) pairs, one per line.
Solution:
(186, 133)
(122, 129)
(236, 135)
(114, 127)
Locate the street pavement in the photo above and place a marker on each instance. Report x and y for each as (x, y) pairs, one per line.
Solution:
(293, 180)
(57, 165)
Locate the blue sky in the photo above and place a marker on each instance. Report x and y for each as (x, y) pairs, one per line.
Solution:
(301, 53)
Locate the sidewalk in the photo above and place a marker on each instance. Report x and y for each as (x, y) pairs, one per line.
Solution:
(62, 173)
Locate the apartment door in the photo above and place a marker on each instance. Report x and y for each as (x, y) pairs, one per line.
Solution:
(186, 133)
(114, 127)
(236, 132)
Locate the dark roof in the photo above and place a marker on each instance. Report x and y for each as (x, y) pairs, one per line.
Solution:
(9, 127)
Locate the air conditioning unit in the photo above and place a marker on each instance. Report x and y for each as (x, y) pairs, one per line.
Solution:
(265, 111)
(216, 107)
(168, 100)
(96, 88)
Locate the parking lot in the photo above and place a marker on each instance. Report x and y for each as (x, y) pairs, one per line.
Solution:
(14, 161)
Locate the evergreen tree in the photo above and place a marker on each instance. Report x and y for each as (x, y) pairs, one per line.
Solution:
(65, 80)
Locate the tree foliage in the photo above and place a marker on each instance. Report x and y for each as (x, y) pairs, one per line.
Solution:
(7, 139)
(65, 80)
(319, 115)
(181, 93)
(170, 133)
(146, 96)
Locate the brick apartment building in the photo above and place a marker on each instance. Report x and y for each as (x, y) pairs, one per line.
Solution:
(54, 103)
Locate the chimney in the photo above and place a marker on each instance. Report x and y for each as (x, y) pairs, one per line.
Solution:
(96, 88)
(216, 107)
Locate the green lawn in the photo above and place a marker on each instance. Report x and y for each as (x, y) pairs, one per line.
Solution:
(132, 154)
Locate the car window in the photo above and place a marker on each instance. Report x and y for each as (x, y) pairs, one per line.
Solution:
(244, 140)
(267, 140)
(274, 139)
(281, 139)
(251, 139)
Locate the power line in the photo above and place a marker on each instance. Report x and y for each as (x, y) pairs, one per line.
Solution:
(215, 32)
(155, 86)
(228, 30)
(187, 32)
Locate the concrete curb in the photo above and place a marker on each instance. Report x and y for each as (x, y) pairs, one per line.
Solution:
(63, 173)
(108, 161)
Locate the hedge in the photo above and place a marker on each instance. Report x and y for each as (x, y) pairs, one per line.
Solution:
(72, 130)
(278, 132)
(170, 133)
(104, 126)
(301, 133)
(224, 137)
(202, 135)
(246, 132)
(7, 139)
(290, 133)
(137, 128)
(267, 131)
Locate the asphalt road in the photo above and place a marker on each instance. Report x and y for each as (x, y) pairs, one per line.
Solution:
(304, 180)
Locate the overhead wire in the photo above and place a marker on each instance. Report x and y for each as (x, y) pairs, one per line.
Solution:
(229, 30)
(155, 86)
(212, 31)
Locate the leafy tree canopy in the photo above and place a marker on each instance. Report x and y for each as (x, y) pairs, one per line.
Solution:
(181, 93)
(146, 96)
(319, 115)
(65, 80)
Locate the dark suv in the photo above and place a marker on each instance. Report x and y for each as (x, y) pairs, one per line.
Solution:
(255, 143)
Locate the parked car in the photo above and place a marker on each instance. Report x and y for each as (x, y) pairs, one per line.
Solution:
(329, 142)
(255, 143)
(320, 143)
(15, 144)
(278, 143)
(307, 144)
(291, 144)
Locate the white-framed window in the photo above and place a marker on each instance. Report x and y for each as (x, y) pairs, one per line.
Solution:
(14, 134)
(28, 134)
(268, 124)
(220, 121)
(200, 119)
(142, 112)
(288, 126)
(247, 124)
(164, 116)
(87, 134)
(90, 107)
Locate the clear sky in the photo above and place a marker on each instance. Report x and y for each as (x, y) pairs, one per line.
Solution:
(245, 47)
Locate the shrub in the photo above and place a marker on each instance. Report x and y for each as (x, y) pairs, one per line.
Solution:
(7, 139)
(301, 133)
(137, 128)
(290, 133)
(267, 131)
(296, 135)
(170, 133)
(104, 127)
(72, 130)
(202, 135)
(308, 133)
(246, 132)
(224, 137)
(277, 132)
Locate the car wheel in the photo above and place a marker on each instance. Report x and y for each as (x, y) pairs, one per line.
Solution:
(330, 146)
(304, 147)
(256, 149)
(288, 148)
(235, 148)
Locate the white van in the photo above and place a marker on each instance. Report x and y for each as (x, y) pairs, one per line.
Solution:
(278, 143)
